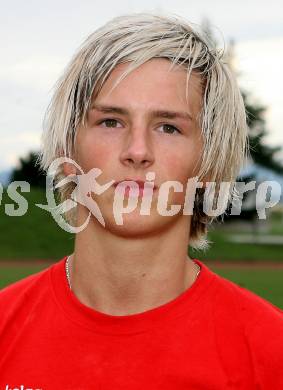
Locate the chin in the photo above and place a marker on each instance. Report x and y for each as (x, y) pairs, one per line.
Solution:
(132, 224)
(138, 226)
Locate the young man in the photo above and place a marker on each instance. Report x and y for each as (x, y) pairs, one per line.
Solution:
(128, 309)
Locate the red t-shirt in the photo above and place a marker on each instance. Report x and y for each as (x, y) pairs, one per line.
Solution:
(215, 335)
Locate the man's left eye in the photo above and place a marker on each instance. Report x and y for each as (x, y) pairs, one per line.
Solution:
(170, 129)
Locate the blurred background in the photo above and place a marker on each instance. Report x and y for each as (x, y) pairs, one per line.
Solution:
(37, 41)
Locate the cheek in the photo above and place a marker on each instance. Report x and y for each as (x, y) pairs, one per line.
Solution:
(93, 153)
(174, 166)
(180, 166)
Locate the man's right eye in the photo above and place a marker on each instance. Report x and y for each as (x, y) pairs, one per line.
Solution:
(109, 122)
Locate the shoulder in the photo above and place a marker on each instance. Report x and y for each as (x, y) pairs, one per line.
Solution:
(25, 301)
(22, 303)
(14, 290)
(246, 305)
(261, 323)
(256, 318)
(243, 322)
(237, 307)
(250, 307)
(19, 297)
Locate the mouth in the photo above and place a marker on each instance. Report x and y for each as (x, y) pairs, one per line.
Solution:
(130, 189)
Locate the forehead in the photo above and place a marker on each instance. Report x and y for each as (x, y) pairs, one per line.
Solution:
(156, 81)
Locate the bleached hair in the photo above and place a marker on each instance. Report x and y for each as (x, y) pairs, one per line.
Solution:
(136, 38)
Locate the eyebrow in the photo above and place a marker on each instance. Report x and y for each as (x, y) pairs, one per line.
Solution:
(154, 113)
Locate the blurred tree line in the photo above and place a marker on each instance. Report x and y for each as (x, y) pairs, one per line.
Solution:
(28, 169)
(262, 154)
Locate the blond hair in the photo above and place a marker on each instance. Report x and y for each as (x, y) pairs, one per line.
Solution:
(137, 38)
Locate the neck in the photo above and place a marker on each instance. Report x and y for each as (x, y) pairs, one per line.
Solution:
(120, 275)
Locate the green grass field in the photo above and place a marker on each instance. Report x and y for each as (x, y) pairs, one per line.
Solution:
(34, 235)
(10, 274)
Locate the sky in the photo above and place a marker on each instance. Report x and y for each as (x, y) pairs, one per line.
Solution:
(38, 39)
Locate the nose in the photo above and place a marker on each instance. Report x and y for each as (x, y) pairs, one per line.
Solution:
(137, 151)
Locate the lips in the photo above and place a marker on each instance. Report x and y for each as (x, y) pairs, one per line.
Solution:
(130, 190)
(138, 181)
